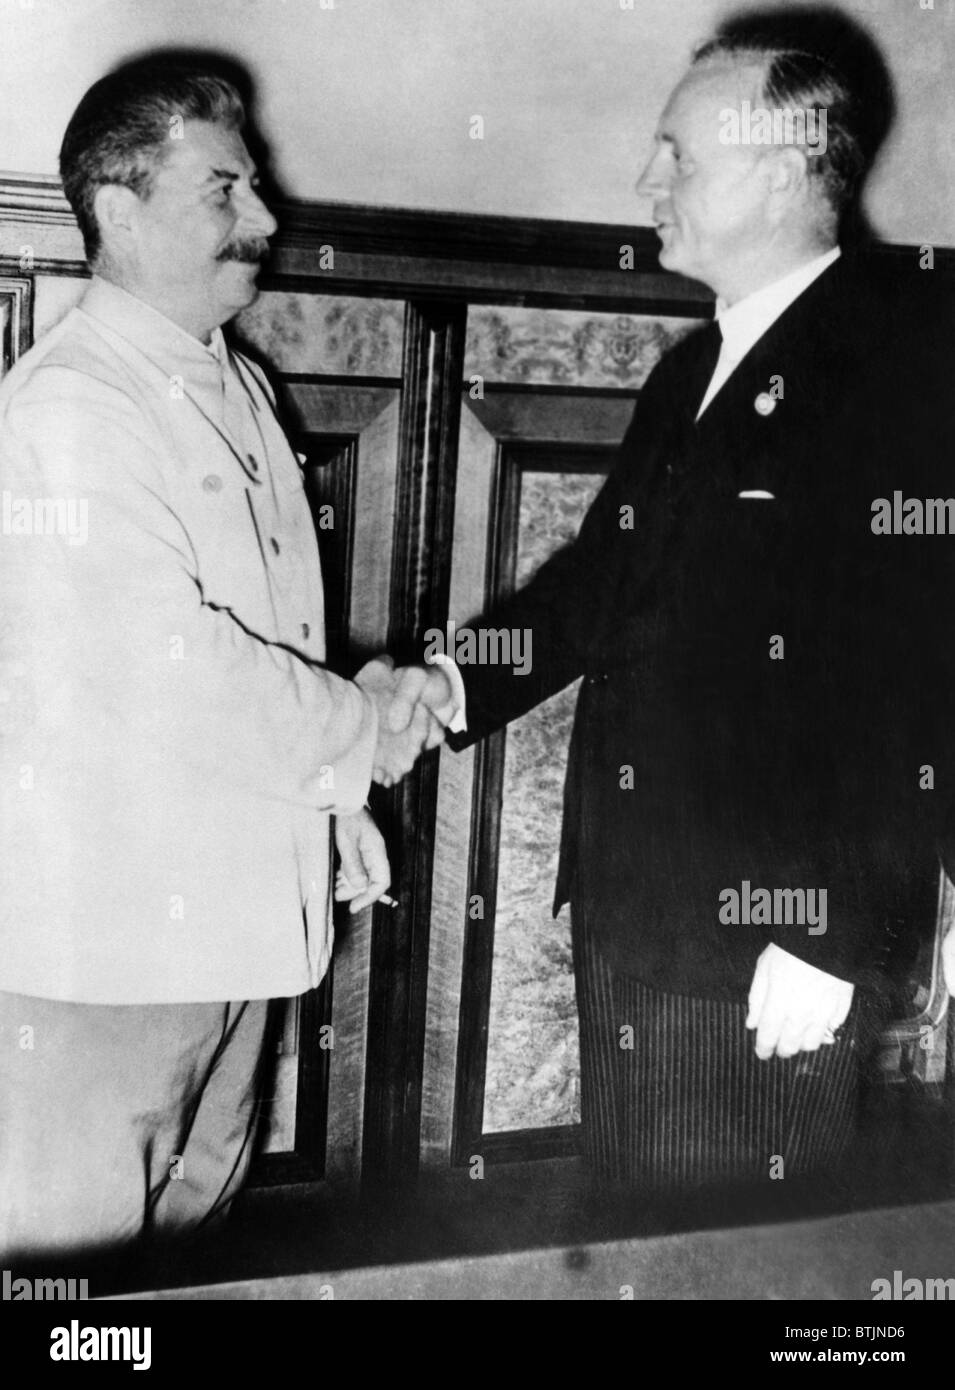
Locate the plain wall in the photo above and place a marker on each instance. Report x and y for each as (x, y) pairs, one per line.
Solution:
(370, 100)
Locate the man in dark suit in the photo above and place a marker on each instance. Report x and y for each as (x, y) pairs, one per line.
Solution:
(748, 844)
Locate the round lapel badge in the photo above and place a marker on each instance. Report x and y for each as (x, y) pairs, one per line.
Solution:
(764, 403)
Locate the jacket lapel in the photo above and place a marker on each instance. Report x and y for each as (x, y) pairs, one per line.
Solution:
(775, 393)
(791, 342)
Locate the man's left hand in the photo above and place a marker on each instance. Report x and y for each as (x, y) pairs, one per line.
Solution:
(793, 1006)
(364, 873)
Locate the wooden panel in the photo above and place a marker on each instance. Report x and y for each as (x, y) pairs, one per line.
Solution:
(532, 1062)
(340, 409)
(16, 318)
(294, 1139)
(377, 450)
(477, 457)
(353, 470)
(409, 253)
(523, 416)
(330, 464)
(478, 955)
(607, 290)
(420, 590)
(292, 1143)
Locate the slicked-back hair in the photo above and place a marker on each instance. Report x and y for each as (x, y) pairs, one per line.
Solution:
(120, 132)
(817, 60)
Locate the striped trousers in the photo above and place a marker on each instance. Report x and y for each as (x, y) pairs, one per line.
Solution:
(674, 1096)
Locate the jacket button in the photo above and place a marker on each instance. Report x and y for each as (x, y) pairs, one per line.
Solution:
(305, 631)
(212, 482)
(599, 679)
(275, 545)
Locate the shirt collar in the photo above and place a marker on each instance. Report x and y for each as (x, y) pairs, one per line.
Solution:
(744, 323)
(152, 332)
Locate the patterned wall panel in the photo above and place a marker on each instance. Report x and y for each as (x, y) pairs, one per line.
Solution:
(532, 1062)
(547, 347)
(329, 334)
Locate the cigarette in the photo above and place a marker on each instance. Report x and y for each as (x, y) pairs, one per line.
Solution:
(342, 882)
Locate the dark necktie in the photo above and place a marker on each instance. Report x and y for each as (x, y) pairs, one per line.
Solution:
(710, 341)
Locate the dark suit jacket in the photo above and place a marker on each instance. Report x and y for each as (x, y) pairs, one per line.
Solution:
(800, 772)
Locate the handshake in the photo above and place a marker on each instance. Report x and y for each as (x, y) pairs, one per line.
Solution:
(415, 704)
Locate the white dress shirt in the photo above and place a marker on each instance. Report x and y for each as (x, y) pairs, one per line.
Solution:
(744, 323)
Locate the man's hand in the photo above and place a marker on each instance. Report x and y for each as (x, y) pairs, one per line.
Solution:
(364, 872)
(793, 1006)
(407, 725)
(431, 687)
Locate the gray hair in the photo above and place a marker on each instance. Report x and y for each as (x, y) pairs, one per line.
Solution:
(817, 60)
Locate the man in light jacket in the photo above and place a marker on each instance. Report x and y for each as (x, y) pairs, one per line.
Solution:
(173, 747)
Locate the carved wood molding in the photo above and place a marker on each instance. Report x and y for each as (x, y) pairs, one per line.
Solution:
(33, 198)
(365, 229)
(405, 252)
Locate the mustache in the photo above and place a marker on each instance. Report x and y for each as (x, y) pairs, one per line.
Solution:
(251, 249)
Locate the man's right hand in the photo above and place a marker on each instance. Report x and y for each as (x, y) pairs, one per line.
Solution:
(409, 717)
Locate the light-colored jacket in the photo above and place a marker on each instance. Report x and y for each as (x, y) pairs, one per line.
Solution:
(172, 747)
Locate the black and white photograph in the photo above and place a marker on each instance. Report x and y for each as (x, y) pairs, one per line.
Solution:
(477, 675)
